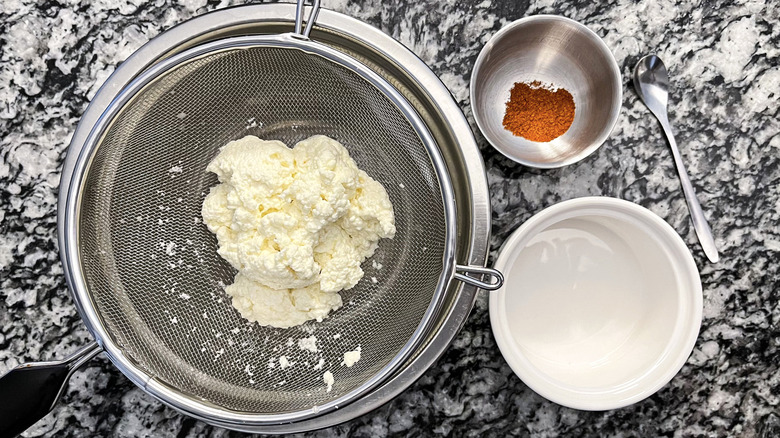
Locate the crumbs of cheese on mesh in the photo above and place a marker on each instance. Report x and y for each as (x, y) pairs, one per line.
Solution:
(327, 377)
(351, 357)
(308, 344)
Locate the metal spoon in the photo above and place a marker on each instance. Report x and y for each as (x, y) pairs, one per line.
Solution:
(652, 83)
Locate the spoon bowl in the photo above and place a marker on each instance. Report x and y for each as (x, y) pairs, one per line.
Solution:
(651, 81)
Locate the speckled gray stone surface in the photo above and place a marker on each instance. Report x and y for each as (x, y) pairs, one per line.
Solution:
(723, 60)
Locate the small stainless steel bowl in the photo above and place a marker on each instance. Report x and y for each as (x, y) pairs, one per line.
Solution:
(556, 50)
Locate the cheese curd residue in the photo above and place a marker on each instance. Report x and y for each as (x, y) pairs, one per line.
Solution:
(296, 224)
(351, 357)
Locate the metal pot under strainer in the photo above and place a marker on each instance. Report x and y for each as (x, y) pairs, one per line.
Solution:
(145, 272)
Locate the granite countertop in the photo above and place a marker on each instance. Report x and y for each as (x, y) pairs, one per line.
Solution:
(723, 59)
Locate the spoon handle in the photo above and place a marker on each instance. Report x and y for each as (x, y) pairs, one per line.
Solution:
(700, 225)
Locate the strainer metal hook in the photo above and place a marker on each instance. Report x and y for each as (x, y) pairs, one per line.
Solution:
(299, 12)
(495, 278)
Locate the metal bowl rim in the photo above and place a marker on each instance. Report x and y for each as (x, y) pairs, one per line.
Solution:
(613, 67)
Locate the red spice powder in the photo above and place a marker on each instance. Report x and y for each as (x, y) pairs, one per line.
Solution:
(538, 113)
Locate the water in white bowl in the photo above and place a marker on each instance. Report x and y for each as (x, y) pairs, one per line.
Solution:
(589, 308)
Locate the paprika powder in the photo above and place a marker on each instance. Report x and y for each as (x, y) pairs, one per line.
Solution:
(538, 113)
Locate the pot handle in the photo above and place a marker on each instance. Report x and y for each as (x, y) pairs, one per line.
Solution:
(29, 391)
(299, 11)
(496, 278)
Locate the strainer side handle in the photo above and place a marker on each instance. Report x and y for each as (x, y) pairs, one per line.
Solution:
(496, 278)
(29, 391)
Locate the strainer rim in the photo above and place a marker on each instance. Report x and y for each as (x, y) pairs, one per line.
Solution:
(72, 254)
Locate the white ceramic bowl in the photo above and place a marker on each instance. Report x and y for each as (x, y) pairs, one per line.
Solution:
(601, 304)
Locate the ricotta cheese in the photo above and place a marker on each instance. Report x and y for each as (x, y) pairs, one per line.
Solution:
(327, 377)
(296, 224)
(351, 357)
(309, 344)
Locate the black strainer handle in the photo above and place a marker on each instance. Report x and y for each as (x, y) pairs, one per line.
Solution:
(496, 279)
(29, 391)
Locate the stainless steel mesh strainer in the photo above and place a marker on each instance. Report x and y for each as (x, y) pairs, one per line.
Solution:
(145, 271)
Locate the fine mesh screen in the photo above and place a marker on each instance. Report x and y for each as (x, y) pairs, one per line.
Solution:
(151, 265)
